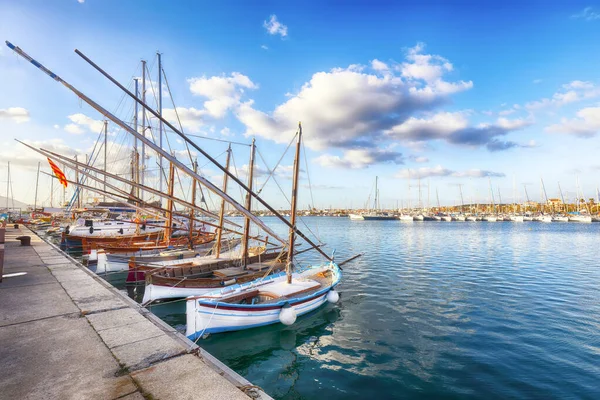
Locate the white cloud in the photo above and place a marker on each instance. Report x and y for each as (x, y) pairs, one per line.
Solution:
(56, 126)
(419, 159)
(427, 67)
(274, 27)
(191, 118)
(570, 93)
(220, 86)
(439, 171)
(74, 129)
(223, 92)
(349, 107)
(16, 114)
(264, 47)
(226, 132)
(586, 125)
(92, 125)
(507, 112)
(359, 158)
(379, 65)
(587, 14)
(81, 1)
(454, 128)
(536, 81)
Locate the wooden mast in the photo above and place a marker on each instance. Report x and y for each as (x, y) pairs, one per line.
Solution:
(171, 184)
(245, 240)
(288, 268)
(77, 191)
(222, 210)
(191, 219)
(136, 162)
(105, 152)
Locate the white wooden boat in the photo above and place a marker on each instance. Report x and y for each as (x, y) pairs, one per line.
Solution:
(580, 218)
(263, 302)
(107, 262)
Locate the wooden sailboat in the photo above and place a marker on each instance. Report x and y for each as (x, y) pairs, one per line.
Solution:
(273, 299)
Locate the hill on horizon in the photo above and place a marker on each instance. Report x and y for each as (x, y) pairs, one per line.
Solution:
(17, 204)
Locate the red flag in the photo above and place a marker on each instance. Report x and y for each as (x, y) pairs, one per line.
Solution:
(58, 173)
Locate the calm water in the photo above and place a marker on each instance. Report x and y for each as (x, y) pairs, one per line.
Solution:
(438, 310)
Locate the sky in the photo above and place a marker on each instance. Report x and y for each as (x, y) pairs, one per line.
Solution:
(450, 96)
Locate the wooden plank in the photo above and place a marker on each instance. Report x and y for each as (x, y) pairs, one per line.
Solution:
(230, 272)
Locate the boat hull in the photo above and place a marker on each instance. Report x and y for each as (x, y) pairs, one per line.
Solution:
(225, 320)
(212, 316)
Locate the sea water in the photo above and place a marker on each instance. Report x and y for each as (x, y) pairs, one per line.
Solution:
(476, 310)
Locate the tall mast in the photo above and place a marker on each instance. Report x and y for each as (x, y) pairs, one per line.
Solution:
(462, 201)
(420, 203)
(438, 198)
(248, 203)
(7, 185)
(77, 190)
(143, 122)
(409, 210)
(105, 153)
(171, 184)
(544, 191)
(37, 180)
(375, 203)
(51, 192)
(290, 260)
(428, 194)
(191, 219)
(561, 195)
(64, 190)
(160, 123)
(222, 210)
(136, 172)
(492, 195)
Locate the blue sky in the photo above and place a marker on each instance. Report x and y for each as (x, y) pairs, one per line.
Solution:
(452, 92)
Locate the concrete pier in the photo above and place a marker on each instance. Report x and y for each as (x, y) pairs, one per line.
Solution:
(67, 334)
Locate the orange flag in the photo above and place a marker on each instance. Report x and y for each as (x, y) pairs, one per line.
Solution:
(58, 173)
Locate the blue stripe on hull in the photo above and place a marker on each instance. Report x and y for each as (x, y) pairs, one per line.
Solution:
(238, 328)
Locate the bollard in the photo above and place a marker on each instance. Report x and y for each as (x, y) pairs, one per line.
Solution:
(25, 240)
(2, 233)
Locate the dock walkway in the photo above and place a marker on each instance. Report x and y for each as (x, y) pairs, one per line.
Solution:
(67, 334)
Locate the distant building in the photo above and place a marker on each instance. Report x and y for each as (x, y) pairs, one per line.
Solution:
(555, 202)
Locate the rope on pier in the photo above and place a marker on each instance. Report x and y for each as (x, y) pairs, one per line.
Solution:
(252, 391)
